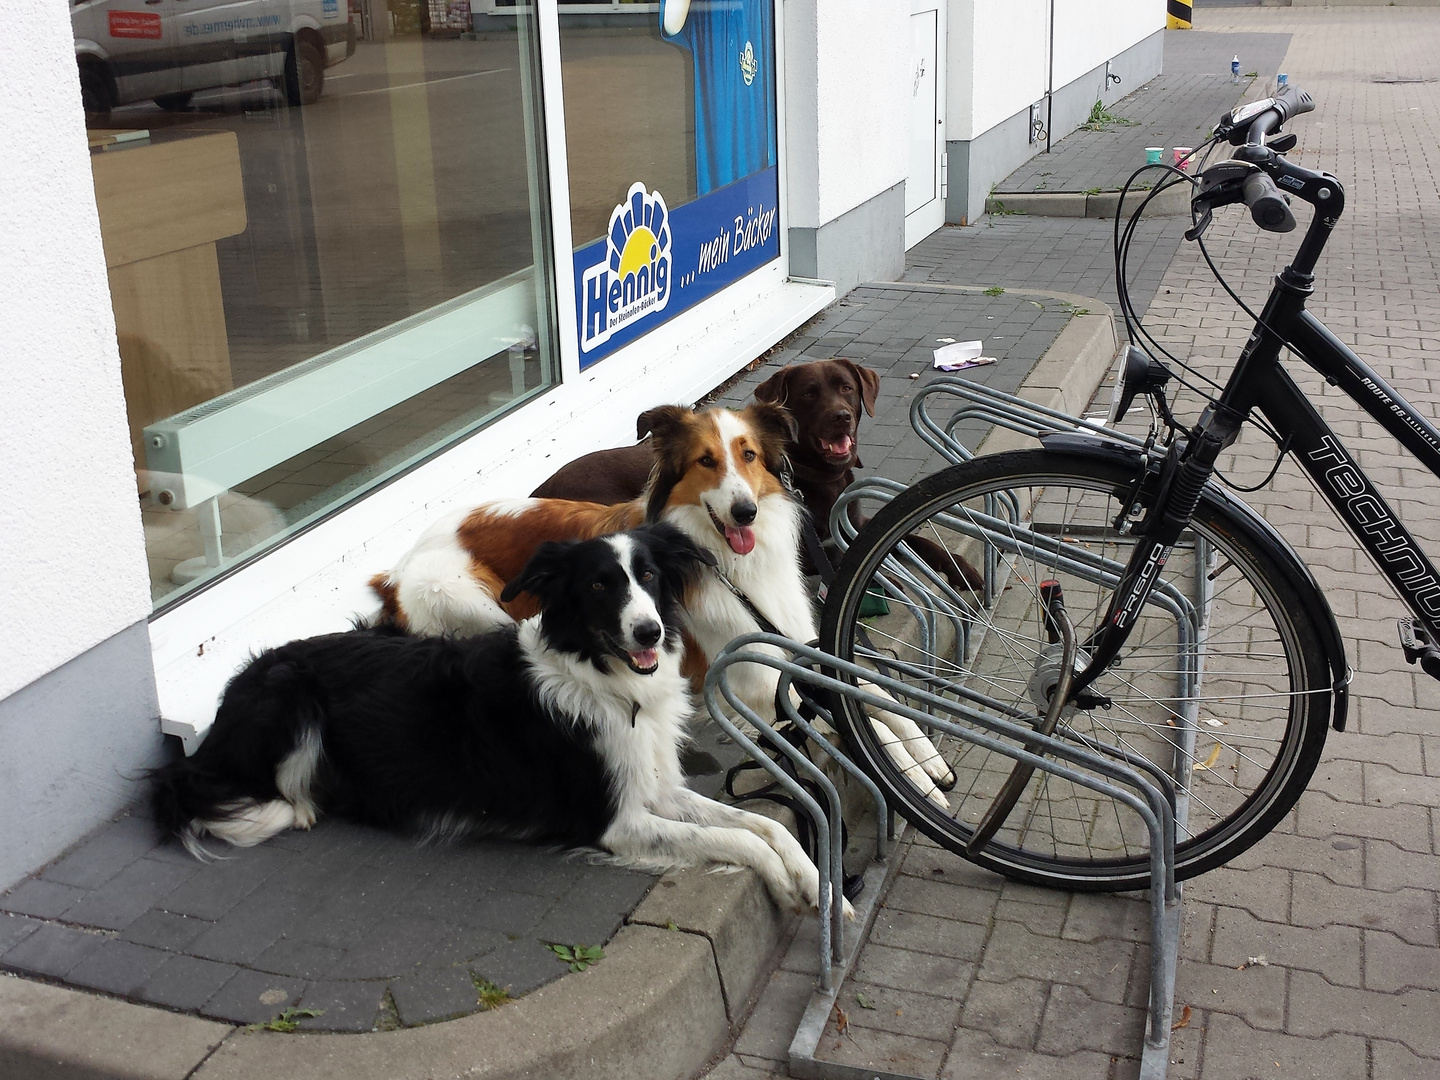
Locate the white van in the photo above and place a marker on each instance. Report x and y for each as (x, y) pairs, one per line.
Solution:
(166, 50)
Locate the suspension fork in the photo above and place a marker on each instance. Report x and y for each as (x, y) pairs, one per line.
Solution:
(1182, 477)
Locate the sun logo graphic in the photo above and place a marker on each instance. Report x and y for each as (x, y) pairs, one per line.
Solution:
(633, 280)
(748, 64)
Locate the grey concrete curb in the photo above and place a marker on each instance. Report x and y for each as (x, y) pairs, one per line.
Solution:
(674, 980)
(660, 1004)
(1172, 202)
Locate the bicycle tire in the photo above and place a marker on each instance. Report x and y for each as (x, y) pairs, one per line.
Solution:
(1263, 698)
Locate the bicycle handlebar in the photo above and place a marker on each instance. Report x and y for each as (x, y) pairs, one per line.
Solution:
(1250, 176)
(1250, 124)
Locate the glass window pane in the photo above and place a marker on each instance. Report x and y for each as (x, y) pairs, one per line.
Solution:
(670, 128)
(325, 230)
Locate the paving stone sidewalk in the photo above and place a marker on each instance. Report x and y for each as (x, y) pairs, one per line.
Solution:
(1176, 108)
(895, 329)
(1342, 899)
(365, 927)
(1317, 953)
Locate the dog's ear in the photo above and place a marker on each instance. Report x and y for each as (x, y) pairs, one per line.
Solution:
(645, 423)
(776, 430)
(776, 388)
(679, 558)
(869, 382)
(666, 425)
(547, 571)
(669, 427)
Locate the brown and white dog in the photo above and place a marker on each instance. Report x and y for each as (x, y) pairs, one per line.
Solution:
(826, 398)
(716, 477)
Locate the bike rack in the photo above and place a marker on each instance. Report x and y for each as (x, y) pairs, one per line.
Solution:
(1150, 791)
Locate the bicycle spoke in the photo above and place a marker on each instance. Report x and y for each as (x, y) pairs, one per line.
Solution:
(1231, 689)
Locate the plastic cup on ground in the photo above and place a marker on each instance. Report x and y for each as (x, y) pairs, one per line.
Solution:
(1152, 154)
(1181, 156)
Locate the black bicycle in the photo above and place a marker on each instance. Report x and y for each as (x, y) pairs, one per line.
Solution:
(1172, 621)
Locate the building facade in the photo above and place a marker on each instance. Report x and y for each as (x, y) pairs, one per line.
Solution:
(288, 280)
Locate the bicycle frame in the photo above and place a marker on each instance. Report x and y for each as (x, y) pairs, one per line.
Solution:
(1260, 382)
(1336, 474)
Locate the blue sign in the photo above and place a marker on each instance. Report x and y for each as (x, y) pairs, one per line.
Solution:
(655, 263)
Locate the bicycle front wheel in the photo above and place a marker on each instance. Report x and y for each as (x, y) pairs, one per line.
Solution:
(1222, 682)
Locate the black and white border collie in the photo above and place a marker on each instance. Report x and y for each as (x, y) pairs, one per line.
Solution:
(717, 477)
(563, 729)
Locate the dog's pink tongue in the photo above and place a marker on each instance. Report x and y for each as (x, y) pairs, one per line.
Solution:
(838, 449)
(740, 538)
(644, 659)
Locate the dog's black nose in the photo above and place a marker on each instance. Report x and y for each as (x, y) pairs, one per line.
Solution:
(844, 416)
(648, 633)
(743, 512)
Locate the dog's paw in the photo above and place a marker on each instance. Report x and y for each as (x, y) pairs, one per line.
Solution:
(935, 768)
(806, 883)
(807, 886)
(847, 911)
(936, 796)
(304, 816)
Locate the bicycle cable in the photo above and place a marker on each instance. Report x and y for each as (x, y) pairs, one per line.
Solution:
(1135, 329)
(1134, 324)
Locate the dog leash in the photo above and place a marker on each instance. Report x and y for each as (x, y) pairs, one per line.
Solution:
(808, 533)
(766, 626)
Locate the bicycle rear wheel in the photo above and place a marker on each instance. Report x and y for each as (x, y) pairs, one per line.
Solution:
(1222, 650)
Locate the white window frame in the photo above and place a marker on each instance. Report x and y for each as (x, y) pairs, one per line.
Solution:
(316, 581)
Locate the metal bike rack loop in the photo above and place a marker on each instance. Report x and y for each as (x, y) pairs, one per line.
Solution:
(1145, 798)
(1157, 792)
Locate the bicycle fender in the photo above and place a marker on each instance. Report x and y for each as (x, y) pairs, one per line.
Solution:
(1312, 597)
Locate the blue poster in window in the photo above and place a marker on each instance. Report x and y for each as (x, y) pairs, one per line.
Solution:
(654, 263)
(732, 45)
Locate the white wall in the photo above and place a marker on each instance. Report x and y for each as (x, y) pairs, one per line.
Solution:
(1090, 32)
(999, 51)
(997, 62)
(847, 98)
(72, 555)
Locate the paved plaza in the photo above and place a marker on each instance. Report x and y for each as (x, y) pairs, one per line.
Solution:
(1316, 953)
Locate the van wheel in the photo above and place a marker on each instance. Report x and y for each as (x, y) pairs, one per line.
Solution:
(97, 89)
(175, 102)
(304, 73)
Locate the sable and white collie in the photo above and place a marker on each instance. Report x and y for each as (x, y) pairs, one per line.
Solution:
(716, 478)
(563, 729)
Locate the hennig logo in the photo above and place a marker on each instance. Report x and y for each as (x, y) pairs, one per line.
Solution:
(634, 278)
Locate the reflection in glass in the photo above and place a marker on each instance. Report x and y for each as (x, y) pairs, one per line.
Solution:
(629, 113)
(326, 249)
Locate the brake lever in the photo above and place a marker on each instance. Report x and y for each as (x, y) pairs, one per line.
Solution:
(1220, 185)
(1198, 229)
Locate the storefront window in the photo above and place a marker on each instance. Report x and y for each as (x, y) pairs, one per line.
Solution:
(670, 121)
(325, 229)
